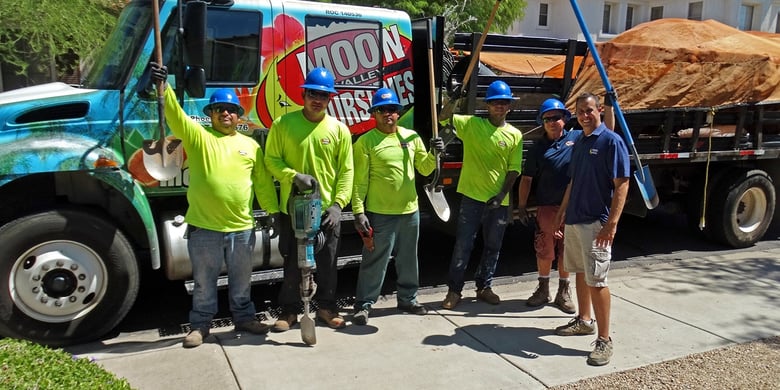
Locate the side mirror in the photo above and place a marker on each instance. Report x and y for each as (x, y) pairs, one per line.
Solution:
(195, 81)
(194, 39)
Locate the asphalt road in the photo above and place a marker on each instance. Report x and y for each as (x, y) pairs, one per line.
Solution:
(164, 304)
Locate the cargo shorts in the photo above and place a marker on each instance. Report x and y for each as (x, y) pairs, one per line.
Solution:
(583, 256)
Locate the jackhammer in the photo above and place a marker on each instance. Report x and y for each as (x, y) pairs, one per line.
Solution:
(305, 210)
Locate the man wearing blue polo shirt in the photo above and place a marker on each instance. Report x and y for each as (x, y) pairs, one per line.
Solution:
(592, 206)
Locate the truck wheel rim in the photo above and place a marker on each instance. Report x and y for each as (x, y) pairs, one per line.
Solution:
(57, 281)
(751, 210)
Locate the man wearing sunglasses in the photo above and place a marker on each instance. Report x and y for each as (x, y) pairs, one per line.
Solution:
(307, 148)
(547, 164)
(492, 157)
(384, 202)
(226, 169)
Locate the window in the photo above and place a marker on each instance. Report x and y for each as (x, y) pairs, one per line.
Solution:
(544, 8)
(233, 47)
(352, 50)
(606, 18)
(694, 10)
(656, 13)
(745, 17)
(629, 17)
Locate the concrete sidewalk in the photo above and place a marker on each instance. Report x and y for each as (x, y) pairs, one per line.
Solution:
(660, 311)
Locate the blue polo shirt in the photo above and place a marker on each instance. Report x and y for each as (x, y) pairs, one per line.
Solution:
(548, 163)
(596, 161)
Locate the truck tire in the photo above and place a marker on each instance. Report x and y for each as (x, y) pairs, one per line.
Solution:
(743, 207)
(66, 277)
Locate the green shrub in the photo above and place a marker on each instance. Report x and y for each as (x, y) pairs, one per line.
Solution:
(25, 365)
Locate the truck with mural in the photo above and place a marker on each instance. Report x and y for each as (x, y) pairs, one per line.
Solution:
(81, 217)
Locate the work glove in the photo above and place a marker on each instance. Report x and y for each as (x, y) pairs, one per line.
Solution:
(610, 98)
(523, 217)
(361, 223)
(495, 202)
(159, 73)
(332, 217)
(437, 144)
(304, 182)
(276, 226)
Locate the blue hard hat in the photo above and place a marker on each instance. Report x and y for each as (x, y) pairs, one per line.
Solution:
(223, 96)
(498, 90)
(552, 104)
(320, 79)
(384, 97)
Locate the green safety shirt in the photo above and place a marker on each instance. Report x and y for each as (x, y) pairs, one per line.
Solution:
(489, 152)
(224, 171)
(384, 171)
(322, 149)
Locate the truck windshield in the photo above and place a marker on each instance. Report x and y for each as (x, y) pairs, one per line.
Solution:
(109, 67)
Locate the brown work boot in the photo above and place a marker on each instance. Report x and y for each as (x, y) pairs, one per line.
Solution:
(542, 294)
(563, 297)
(487, 295)
(333, 319)
(451, 300)
(285, 322)
(253, 326)
(194, 338)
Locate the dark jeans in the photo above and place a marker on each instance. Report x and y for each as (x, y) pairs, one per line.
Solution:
(474, 214)
(326, 274)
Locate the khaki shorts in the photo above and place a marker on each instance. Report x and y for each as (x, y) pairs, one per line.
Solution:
(582, 255)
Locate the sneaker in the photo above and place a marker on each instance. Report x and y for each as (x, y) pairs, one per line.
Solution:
(360, 317)
(285, 322)
(601, 353)
(563, 298)
(253, 326)
(576, 327)
(413, 308)
(194, 338)
(542, 294)
(331, 318)
(451, 300)
(487, 295)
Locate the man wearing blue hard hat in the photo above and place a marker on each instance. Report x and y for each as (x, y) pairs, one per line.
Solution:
(492, 158)
(306, 148)
(226, 168)
(384, 202)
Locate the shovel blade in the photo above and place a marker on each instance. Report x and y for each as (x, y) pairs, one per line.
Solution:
(163, 160)
(308, 334)
(646, 187)
(438, 201)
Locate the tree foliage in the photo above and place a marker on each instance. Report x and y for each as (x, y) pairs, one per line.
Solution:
(40, 33)
(461, 15)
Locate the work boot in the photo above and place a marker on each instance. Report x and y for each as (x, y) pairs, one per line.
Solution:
(331, 318)
(253, 326)
(451, 300)
(542, 294)
(285, 322)
(194, 338)
(413, 308)
(487, 295)
(563, 297)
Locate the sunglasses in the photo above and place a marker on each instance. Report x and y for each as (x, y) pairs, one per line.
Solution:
(500, 102)
(553, 118)
(318, 95)
(387, 109)
(219, 108)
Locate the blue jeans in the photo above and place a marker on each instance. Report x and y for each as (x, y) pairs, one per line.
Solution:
(474, 214)
(209, 250)
(392, 233)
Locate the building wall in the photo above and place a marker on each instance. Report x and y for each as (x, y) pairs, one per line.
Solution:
(563, 24)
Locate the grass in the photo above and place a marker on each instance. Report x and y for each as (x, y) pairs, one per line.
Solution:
(25, 365)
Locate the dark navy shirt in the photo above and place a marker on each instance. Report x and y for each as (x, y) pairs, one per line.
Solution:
(548, 164)
(596, 161)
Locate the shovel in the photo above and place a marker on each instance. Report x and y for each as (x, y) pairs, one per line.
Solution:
(435, 193)
(642, 175)
(162, 157)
